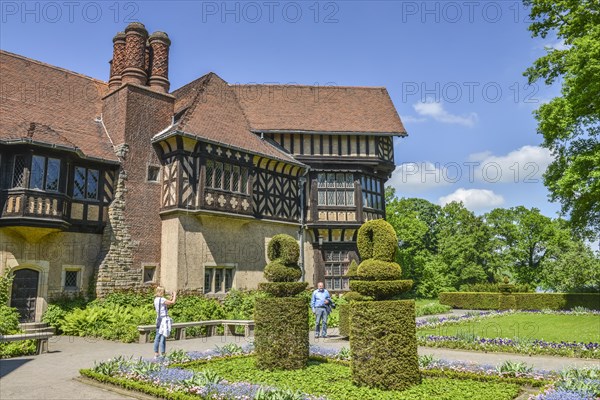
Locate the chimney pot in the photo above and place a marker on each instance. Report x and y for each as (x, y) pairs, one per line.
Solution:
(159, 56)
(135, 53)
(117, 64)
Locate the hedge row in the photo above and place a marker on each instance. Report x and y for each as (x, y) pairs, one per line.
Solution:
(344, 324)
(520, 301)
(383, 343)
(281, 332)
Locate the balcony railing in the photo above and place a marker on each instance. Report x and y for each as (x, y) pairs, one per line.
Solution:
(27, 203)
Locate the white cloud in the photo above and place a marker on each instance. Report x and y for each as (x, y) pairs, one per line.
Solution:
(438, 113)
(413, 120)
(473, 199)
(417, 177)
(524, 165)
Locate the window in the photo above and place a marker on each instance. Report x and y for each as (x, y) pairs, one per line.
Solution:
(153, 173)
(149, 273)
(85, 185)
(336, 266)
(218, 279)
(371, 192)
(19, 172)
(45, 173)
(229, 177)
(335, 189)
(71, 279)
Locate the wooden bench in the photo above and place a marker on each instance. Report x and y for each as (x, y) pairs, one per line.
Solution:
(178, 328)
(41, 340)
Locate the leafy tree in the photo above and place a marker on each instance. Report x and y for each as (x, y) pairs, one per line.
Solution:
(520, 242)
(570, 123)
(574, 269)
(414, 221)
(463, 241)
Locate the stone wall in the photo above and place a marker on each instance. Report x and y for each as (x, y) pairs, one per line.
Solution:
(193, 242)
(116, 269)
(50, 255)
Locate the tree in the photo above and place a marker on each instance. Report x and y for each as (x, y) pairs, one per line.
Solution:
(463, 242)
(521, 240)
(570, 123)
(576, 270)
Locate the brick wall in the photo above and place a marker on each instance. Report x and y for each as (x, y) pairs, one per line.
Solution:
(133, 115)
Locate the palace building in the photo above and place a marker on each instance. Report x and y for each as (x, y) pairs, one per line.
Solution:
(122, 184)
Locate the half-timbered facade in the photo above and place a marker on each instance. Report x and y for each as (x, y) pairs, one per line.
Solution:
(121, 184)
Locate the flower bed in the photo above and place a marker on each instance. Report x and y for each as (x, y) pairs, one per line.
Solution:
(196, 375)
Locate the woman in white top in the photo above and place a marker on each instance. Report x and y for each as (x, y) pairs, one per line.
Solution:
(160, 305)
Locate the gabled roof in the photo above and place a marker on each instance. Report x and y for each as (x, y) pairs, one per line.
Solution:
(208, 108)
(319, 109)
(52, 106)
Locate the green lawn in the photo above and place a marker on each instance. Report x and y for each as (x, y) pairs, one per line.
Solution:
(334, 381)
(430, 307)
(551, 328)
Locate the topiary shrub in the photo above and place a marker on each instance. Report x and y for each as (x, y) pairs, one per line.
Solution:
(276, 271)
(281, 330)
(344, 324)
(384, 344)
(377, 239)
(383, 338)
(281, 333)
(381, 290)
(283, 251)
(377, 270)
(352, 270)
(285, 248)
(283, 289)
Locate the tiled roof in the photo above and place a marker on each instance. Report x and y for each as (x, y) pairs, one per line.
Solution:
(51, 105)
(209, 109)
(319, 108)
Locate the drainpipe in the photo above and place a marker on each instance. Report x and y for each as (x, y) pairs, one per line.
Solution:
(302, 181)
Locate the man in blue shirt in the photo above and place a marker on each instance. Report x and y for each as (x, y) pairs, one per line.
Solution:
(321, 307)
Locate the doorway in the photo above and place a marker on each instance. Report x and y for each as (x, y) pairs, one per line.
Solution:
(24, 293)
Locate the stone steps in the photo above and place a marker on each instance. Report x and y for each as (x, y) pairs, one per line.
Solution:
(36, 327)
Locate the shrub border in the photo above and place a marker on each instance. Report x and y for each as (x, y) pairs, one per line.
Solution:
(521, 301)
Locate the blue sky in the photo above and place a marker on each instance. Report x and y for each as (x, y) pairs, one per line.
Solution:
(453, 70)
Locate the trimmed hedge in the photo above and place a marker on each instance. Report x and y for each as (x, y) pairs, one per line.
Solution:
(383, 343)
(377, 270)
(381, 290)
(507, 302)
(283, 289)
(283, 247)
(520, 301)
(557, 301)
(377, 239)
(344, 323)
(281, 333)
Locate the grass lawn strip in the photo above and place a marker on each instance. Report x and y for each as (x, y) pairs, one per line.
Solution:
(548, 327)
(477, 331)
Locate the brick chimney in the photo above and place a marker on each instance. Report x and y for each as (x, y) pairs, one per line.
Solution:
(159, 65)
(117, 64)
(135, 52)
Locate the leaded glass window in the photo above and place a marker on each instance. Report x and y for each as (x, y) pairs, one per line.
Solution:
(38, 169)
(336, 266)
(19, 172)
(335, 189)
